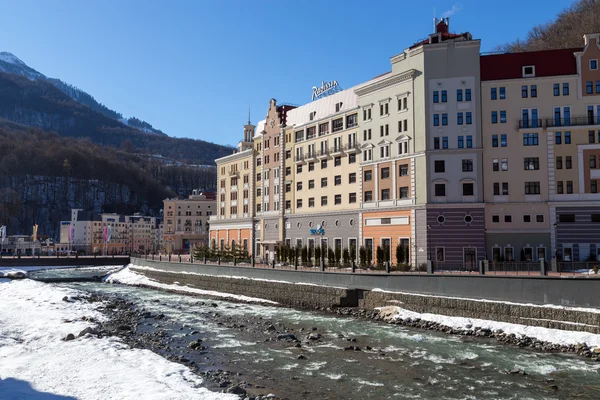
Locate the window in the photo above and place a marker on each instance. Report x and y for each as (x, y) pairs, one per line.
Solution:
(288, 187)
(352, 158)
(440, 189)
(444, 119)
(565, 89)
(323, 182)
(494, 93)
(338, 124)
(495, 219)
(352, 177)
(469, 141)
(589, 87)
(404, 192)
(323, 200)
(467, 189)
(591, 137)
(367, 134)
(508, 219)
(559, 164)
(524, 91)
(436, 143)
(403, 148)
(368, 175)
(504, 164)
(530, 139)
(502, 93)
(436, 96)
(496, 189)
(299, 203)
(351, 198)
(299, 168)
(311, 184)
(533, 90)
(337, 161)
(352, 120)
(504, 188)
(469, 118)
(528, 71)
(323, 164)
(367, 155)
(459, 95)
(440, 254)
(385, 194)
(384, 151)
(311, 201)
(311, 166)
(556, 89)
(593, 64)
(532, 188)
(368, 196)
(338, 199)
(558, 138)
(592, 161)
(459, 118)
(467, 94)
(539, 218)
(444, 96)
(503, 140)
(494, 140)
(467, 165)
(594, 186)
(567, 137)
(566, 218)
(385, 173)
(502, 117)
(569, 187)
(461, 142)
(298, 185)
(436, 119)
(495, 164)
(404, 170)
(258, 192)
(532, 163)
(494, 117)
(444, 142)
(560, 187)
(597, 86)
(439, 166)
(337, 180)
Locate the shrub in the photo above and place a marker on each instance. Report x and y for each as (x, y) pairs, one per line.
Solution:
(362, 256)
(346, 257)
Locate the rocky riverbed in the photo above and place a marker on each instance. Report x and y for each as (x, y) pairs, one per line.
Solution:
(261, 352)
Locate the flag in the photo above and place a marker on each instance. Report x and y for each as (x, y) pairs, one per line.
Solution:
(35, 230)
(71, 233)
(105, 234)
(108, 234)
(3, 232)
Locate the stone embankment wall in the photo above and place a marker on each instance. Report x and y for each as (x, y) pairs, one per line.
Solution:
(319, 295)
(62, 261)
(288, 294)
(548, 317)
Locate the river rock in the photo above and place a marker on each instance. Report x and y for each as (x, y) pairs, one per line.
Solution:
(69, 337)
(516, 371)
(87, 330)
(236, 390)
(314, 336)
(286, 336)
(301, 357)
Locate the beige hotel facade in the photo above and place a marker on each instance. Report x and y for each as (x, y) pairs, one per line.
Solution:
(436, 155)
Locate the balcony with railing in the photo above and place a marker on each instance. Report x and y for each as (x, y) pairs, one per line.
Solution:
(299, 158)
(337, 149)
(530, 123)
(353, 147)
(589, 120)
(323, 153)
(234, 172)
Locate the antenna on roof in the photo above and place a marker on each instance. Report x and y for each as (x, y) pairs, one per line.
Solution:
(434, 19)
(248, 115)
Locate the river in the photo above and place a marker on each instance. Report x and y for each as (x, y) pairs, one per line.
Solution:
(394, 362)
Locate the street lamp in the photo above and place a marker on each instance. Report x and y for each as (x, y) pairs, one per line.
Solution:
(556, 241)
(429, 242)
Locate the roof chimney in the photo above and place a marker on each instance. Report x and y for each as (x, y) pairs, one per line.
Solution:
(443, 25)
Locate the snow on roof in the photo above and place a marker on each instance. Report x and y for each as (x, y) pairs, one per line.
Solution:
(260, 126)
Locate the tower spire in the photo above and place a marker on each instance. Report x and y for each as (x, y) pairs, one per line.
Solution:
(248, 115)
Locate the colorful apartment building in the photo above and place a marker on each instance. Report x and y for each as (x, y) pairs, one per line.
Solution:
(186, 221)
(541, 124)
(456, 156)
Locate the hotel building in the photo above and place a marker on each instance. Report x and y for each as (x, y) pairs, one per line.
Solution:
(186, 221)
(457, 156)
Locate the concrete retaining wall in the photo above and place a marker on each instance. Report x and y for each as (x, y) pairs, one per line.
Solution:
(580, 292)
(62, 261)
(289, 294)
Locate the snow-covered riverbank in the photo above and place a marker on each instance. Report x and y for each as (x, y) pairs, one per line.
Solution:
(34, 358)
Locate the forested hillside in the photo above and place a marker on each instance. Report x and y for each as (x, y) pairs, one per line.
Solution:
(43, 175)
(39, 103)
(563, 33)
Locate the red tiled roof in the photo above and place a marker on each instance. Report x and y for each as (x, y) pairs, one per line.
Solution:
(546, 62)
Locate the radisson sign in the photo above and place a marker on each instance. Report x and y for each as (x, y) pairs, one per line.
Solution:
(325, 88)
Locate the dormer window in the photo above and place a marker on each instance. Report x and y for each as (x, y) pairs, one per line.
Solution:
(594, 64)
(312, 115)
(528, 71)
(338, 106)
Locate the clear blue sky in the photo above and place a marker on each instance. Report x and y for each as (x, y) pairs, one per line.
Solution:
(192, 68)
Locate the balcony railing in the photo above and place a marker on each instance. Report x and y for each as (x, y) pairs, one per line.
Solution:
(530, 123)
(352, 147)
(337, 149)
(323, 153)
(573, 121)
(338, 128)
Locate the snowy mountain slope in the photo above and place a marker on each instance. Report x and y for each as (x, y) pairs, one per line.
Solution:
(12, 64)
